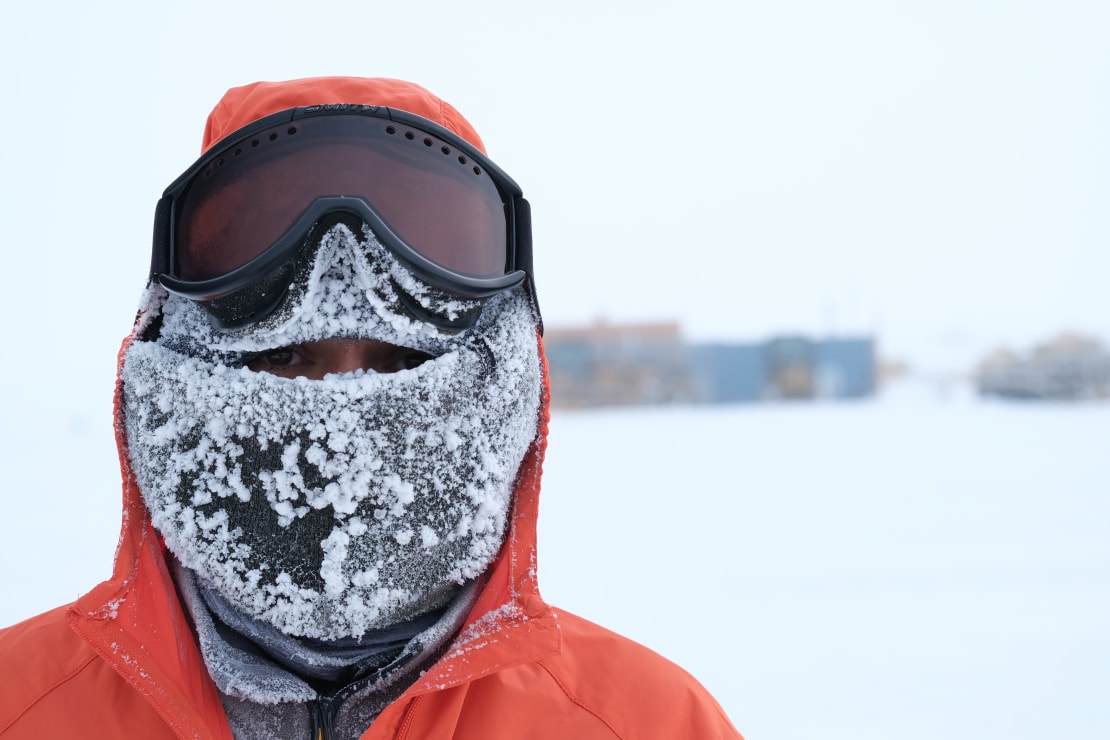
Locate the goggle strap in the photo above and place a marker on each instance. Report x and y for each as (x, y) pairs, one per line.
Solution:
(522, 224)
(160, 256)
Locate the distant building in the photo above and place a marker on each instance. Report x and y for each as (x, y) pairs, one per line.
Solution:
(846, 367)
(1069, 367)
(611, 365)
(606, 364)
(789, 367)
(729, 373)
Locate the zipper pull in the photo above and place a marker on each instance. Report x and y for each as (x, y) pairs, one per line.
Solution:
(322, 712)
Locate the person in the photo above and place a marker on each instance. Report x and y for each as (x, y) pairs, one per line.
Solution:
(331, 413)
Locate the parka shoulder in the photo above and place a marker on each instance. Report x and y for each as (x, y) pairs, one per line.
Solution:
(53, 684)
(635, 691)
(597, 686)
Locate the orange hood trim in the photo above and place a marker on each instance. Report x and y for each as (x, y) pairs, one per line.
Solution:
(242, 105)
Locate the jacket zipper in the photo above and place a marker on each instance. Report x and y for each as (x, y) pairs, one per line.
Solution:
(323, 708)
(323, 716)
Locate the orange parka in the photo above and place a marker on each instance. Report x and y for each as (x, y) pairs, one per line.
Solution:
(122, 661)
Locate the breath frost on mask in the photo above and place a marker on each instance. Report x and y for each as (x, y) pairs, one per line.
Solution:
(331, 507)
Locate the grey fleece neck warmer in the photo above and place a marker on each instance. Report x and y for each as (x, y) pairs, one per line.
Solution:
(328, 508)
(250, 660)
(261, 673)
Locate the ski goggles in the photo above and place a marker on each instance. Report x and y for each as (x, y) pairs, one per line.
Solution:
(229, 231)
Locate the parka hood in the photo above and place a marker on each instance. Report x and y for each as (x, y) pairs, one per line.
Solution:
(242, 105)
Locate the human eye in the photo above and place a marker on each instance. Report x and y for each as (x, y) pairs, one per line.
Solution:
(404, 358)
(277, 361)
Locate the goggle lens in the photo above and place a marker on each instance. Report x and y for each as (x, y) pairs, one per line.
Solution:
(433, 196)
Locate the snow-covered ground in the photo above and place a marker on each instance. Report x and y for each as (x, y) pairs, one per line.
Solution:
(904, 568)
(910, 567)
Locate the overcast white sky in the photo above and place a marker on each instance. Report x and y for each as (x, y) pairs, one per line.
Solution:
(935, 172)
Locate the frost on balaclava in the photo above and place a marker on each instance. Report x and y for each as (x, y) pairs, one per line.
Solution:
(332, 507)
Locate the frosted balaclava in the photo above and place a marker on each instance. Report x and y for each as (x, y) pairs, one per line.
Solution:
(331, 507)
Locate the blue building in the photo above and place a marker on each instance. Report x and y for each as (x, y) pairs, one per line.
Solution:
(845, 368)
(729, 373)
(608, 365)
(787, 367)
